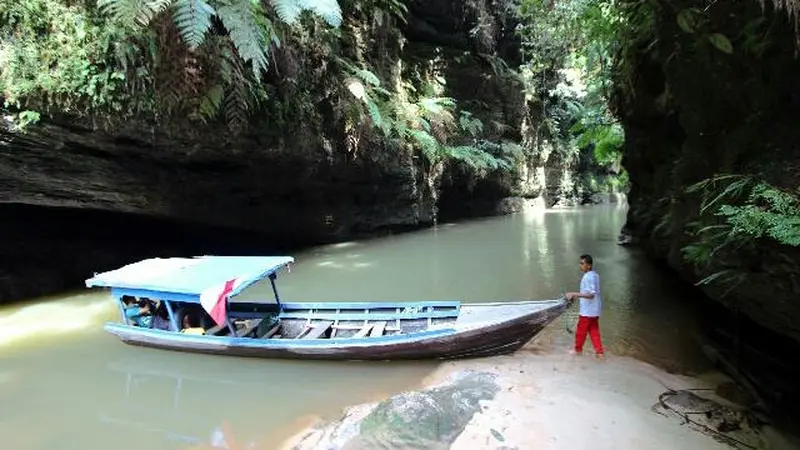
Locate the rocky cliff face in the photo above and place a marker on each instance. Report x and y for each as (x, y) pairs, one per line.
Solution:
(77, 197)
(692, 110)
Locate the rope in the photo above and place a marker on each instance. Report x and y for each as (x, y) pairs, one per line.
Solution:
(566, 323)
(564, 317)
(733, 442)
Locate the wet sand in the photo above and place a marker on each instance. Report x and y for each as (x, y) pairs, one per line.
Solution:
(566, 402)
(549, 399)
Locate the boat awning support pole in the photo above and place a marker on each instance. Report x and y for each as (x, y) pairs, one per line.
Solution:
(122, 311)
(172, 319)
(272, 278)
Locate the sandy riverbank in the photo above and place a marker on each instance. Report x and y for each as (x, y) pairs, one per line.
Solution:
(542, 398)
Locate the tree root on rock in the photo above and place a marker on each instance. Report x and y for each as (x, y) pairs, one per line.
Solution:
(738, 428)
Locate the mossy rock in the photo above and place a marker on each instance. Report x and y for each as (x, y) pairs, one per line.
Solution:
(429, 419)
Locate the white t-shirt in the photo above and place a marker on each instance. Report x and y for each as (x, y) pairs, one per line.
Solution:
(590, 283)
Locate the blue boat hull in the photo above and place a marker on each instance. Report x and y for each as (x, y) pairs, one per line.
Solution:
(477, 330)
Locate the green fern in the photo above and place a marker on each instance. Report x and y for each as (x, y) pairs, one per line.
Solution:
(735, 213)
(134, 13)
(368, 77)
(289, 11)
(193, 19)
(377, 117)
(236, 103)
(210, 104)
(425, 121)
(436, 107)
(242, 18)
(236, 85)
(248, 26)
(364, 75)
(470, 124)
(426, 143)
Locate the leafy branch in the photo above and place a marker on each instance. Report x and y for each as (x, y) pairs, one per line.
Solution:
(737, 211)
(425, 122)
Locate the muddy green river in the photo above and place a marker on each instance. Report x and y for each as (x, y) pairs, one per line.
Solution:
(66, 384)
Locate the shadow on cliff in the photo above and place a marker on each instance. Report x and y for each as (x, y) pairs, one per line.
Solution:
(47, 249)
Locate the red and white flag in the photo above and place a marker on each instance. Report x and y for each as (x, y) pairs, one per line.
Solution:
(215, 299)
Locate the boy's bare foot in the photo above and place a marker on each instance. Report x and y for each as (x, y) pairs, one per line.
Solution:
(601, 356)
(575, 352)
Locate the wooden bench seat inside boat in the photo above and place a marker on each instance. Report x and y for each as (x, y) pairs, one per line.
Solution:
(316, 330)
(271, 332)
(378, 329)
(364, 330)
(249, 328)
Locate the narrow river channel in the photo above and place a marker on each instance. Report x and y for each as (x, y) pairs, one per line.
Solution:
(65, 384)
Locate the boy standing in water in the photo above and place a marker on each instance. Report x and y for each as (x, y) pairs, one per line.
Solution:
(590, 307)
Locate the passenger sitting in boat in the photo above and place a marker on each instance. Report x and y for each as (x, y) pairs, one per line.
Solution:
(148, 314)
(161, 317)
(138, 313)
(190, 325)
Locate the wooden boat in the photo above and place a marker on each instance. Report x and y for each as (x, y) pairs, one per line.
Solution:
(335, 330)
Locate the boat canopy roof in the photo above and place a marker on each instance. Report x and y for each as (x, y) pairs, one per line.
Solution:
(184, 279)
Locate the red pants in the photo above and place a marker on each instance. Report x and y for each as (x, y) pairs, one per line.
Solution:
(590, 325)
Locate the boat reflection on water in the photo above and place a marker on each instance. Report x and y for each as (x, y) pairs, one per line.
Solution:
(199, 402)
(149, 407)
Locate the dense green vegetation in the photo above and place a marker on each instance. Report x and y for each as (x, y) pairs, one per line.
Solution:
(569, 48)
(166, 59)
(742, 211)
(229, 60)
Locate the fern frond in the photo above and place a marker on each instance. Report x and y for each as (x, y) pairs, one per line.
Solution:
(368, 77)
(236, 103)
(228, 63)
(244, 20)
(290, 10)
(426, 144)
(329, 10)
(374, 113)
(124, 11)
(470, 124)
(133, 13)
(152, 9)
(438, 108)
(426, 126)
(193, 19)
(374, 109)
(476, 158)
(211, 102)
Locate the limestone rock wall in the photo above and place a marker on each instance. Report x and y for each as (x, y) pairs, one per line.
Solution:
(691, 111)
